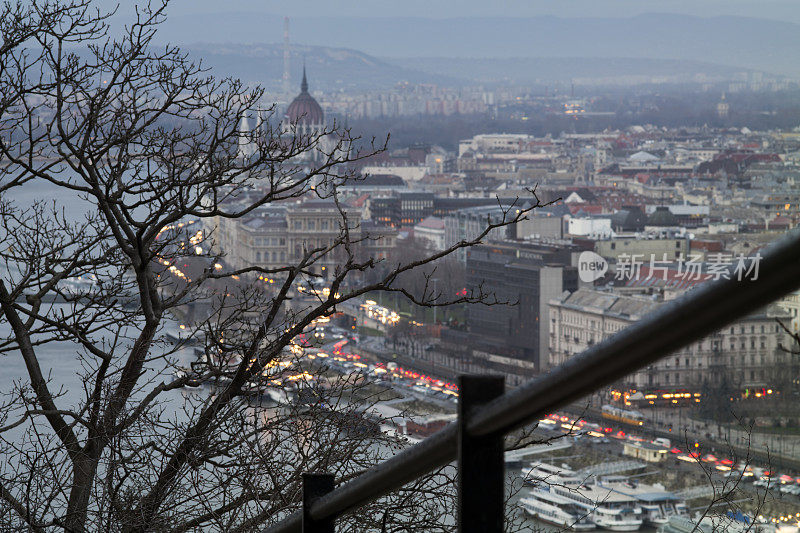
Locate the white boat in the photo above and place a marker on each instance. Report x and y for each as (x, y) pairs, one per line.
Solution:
(539, 473)
(280, 395)
(608, 509)
(713, 524)
(181, 373)
(657, 504)
(556, 510)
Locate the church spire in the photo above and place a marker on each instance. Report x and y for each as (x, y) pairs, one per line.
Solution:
(304, 83)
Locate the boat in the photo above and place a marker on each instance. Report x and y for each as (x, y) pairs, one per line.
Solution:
(657, 504)
(539, 473)
(180, 373)
(713, 524)
(556, 510)
(606, 508)
(281, 395)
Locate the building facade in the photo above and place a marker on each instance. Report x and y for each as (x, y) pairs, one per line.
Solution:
(522, 277)
(749, 354)
(281, 236)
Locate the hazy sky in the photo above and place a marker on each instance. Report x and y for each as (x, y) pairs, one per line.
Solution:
(787, 10)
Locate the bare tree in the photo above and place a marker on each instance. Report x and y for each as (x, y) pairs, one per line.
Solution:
(144, 143)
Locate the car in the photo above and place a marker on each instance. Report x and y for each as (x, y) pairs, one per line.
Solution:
(764, 482)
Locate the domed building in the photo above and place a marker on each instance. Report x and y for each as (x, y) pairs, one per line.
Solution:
(304, 118)
(304, 111)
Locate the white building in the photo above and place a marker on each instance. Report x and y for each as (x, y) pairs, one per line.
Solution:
(791, 303)
(594, 228)
(432, 230)
(494, 143)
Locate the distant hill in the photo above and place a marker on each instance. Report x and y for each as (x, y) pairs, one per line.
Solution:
(750, 43)
(330, 69)
(341, 69)
(587, 70)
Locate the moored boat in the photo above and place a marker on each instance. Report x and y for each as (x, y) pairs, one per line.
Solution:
(657, 504)
(556, 510)
(607, 509)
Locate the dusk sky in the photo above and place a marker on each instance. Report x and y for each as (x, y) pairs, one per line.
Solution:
(786, 10)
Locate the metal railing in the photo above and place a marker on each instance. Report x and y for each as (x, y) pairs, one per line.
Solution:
(484, 420)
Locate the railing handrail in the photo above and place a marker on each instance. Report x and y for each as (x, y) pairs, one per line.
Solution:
(674, 325)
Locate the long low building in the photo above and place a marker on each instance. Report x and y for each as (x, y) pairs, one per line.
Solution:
(750, 354)
(277, 236)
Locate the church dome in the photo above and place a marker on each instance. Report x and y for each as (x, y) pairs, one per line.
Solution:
(304, 109)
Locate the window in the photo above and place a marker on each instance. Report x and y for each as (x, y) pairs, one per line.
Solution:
(312, 225)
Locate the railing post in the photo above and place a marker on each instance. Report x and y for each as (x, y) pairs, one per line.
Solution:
(315, 486)
(481, 469)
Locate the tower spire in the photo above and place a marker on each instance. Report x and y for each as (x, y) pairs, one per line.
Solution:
(304, 83)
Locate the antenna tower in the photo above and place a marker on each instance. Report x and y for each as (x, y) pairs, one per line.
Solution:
(286, 87)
